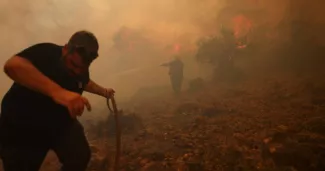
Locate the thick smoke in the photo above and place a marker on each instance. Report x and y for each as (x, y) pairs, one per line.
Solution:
(165, 28)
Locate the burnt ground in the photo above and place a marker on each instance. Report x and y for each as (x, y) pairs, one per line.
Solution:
(270, 123)
(266, 123)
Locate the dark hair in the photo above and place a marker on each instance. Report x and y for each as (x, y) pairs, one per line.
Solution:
(81, 42)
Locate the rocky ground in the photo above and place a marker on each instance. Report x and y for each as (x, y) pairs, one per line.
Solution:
(268, 123)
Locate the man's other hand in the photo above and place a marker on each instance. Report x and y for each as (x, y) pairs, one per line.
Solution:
(74, 102)
(109, 92)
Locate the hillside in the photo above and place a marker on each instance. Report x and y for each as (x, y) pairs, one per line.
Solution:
(267, 122)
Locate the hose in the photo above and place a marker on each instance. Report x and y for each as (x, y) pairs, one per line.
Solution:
(117, 130)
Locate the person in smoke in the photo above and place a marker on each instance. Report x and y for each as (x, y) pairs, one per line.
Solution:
(228, 48)
(176, 74)
(40, 110)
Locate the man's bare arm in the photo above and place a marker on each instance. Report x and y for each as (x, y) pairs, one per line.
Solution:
(165, 64)
(25, 73)
(94, 88)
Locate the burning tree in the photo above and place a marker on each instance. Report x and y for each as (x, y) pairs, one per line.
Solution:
(219, 51)
(235, 35)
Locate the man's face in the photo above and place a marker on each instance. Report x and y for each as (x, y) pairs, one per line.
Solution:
(74, 63)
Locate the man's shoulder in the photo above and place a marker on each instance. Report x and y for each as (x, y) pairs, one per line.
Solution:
(40, 48)
(47, 45)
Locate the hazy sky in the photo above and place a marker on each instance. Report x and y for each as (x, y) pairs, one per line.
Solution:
(162, 23)
(33, 21)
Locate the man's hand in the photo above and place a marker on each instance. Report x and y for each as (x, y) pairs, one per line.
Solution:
(109, 92)
(73, 101)
(94, 88)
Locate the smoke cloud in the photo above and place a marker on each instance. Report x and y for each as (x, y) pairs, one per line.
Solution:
(136, 36)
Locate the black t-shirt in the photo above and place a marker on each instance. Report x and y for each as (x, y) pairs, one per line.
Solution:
(25, 110)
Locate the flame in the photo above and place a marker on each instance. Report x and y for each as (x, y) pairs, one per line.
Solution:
(177, 48)
(241, 25)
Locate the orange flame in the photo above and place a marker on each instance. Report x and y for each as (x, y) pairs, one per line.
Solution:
(241, 25)
(177, 48)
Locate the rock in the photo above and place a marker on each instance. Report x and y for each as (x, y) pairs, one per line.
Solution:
(267, 140)
(144, 162)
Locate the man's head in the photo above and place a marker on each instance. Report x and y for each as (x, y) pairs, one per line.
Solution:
(177, 57)
(80, 51)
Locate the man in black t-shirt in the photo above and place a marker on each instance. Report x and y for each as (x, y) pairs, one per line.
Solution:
(39, 111)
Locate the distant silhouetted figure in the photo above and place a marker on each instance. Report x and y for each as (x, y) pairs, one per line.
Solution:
(176, 74)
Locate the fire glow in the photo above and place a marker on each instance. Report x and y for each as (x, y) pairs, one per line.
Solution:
(177, 48)
(241, 25)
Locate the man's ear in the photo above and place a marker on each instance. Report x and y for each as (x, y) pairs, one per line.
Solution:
(65, 49)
